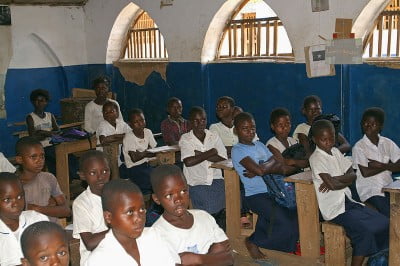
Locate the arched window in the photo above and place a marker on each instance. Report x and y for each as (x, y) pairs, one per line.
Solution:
(255, 32)
(144, 40)
(383, 41)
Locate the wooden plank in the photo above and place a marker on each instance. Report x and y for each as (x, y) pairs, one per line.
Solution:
(380, 29)
(111, 152)
(392, 187)
(267, 38)
(159, 43)
(394, 230)
(230, 41)
(398, 36)
(155, 43)
(335, 244)
(258, 50)
(371, 45)
(235, 39)
(389, 37)
(251, 29)
(303, 177)
(232, 199)
(275, 38)
(224, 165)
(242, 37)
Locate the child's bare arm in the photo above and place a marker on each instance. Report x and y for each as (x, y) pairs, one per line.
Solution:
(200, 157)
(375, 167)
(218, 254)
(60, 209)
(344, 145)
(277, 154)
(112, 138)
(303, 140)
(272, 166)
(337, 182)
(41, 134)
(139, 155)
(92, 240)
(54, 124)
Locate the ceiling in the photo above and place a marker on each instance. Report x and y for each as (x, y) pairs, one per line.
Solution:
(45, 2)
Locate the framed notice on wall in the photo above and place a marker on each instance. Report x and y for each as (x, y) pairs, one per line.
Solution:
(5, 15)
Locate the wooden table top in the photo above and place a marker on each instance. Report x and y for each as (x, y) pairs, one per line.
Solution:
(172, 148)
(303, 177)
(225, 165)
(393, 187)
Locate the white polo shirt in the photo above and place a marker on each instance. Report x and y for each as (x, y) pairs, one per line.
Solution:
(88, 217)
(202, 173)
(10, 247)
(363, 150)
(225, 133)
(331, 203)
(133, 143)
(274, 142)
(152, 249)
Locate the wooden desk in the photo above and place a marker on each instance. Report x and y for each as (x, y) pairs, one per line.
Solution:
(25, 133)
(165, 154)
(394, 231)
(62, 168)
(307, 213)
(232, 198)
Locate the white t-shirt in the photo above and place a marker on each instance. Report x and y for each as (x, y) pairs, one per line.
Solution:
(202, 173)
(152, 249)
(10, 248)
(94, 115)
(303, 128)
(5, 165)
(331, 203)
(133, 143)
(87, 217)
(363, 150)
(196, 239)
(225, 133)
(274, 142)
(44, 123)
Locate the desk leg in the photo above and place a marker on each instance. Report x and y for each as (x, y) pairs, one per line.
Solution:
(394, 235)
(308, 217)
(232, 198)
(62, 170)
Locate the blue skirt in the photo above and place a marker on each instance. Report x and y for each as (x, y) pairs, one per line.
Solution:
(208, 198)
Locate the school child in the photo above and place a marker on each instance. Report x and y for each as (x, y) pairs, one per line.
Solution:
(281, 125)
(42, 191)
(44, 243)
(93, 110)
(43, 125)
(88, 222)
(367, 229)
(193, 234)
(375, 157)
(128, 243)
(276, 226)
(199, 149)
(174, 125)
(135, 146)
(13, 219)
(5, 165)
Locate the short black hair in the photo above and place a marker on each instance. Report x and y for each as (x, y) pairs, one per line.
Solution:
(135, 111)
(101, 80)
(114, 188)
(245, 116)
(25, 142)
(110, 103)
(39, 92)
(35, 230)
(277, 113)
(159, 174)
(90, 155)
(172, 100)
(311, 99)
(320, 125)
(230, 100)
(375, 112)
(195, 110)
(6, 177)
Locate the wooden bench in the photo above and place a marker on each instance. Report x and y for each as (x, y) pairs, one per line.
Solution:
(336, 244)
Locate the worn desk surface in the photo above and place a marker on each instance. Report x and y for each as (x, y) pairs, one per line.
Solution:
(394, 231)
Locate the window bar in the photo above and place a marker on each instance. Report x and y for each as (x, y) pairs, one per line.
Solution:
(398, 36)
(242, 38)
(230, 41)
(251, 41)
(258, 48)
(267, 38)
(389, 35)
(275, 38)
(380, 29)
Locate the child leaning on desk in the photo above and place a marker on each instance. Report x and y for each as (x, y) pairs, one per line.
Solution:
(332, 173)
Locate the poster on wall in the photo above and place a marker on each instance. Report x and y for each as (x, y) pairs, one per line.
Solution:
(5, 15)
(319, 5)
(316, 65)
(344, 51)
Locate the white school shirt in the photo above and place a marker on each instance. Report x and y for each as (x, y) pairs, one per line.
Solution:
(225, 133)
(152, 249)
(88, 217)
(5, 165)
(197, 239)
(44, 123)
(94, 115)
(202, 173)
(133, 143)
(363, 150)
(274, 142)
(331, 203)
(10, 248)
(302, 128)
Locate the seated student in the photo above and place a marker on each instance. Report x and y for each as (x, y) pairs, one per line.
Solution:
(281, 125)
(13, 219)
(276, 226)
(93, 110)
(174, 125)
(193, 234)
(199, 149)
(42, 192)
(375, 158)
(42, 125)
(128, 243)
(88, 223)
(332, 173)
(44, 243)
(135, 146)
(5, 165)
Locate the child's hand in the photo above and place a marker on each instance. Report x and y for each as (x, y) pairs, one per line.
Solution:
(249, 174)
(323, 188)
(189, 258)
(375, 164)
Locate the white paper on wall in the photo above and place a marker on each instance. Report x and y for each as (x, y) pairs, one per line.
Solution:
(344, 51)
(316, 65)
(319, 5)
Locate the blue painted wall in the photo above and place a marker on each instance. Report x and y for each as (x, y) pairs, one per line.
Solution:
(256, 87)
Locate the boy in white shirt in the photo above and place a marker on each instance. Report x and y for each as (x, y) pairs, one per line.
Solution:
(135, 145)
(367, 229)
(13, 220)
(375, 158)
(193, 234)
(88, 222)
